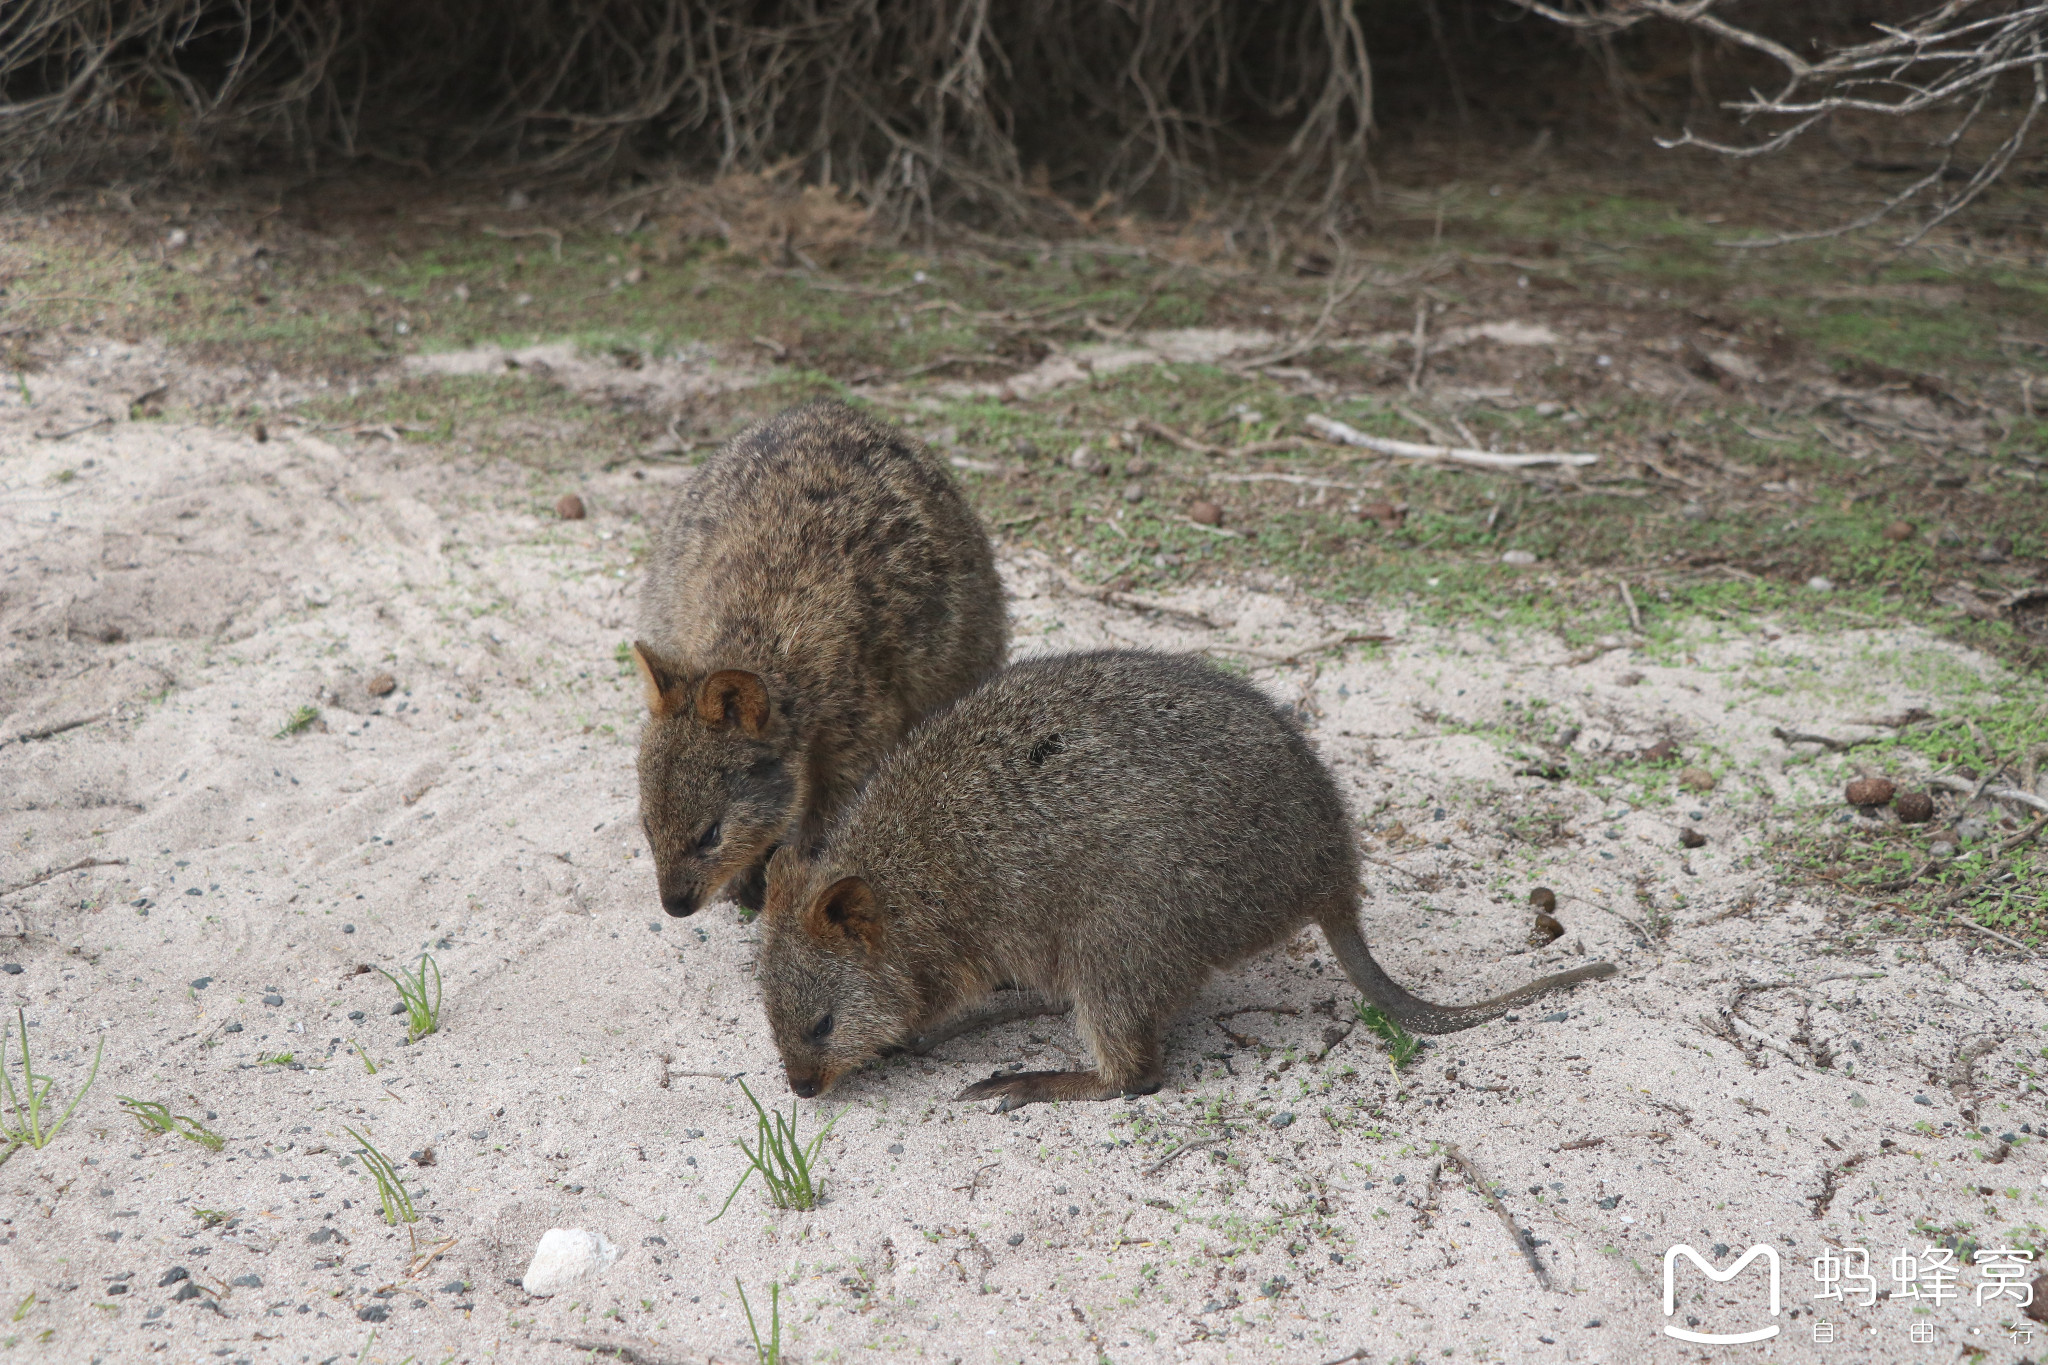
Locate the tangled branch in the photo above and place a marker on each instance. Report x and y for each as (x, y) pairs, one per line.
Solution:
(1971, 62)
(919, 109)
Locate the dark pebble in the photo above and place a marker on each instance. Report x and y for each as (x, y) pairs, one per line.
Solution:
(247, 1281)
(273, 1000)
(1922, 1099)
(355, 1016)
(194, 891)
(398, 1008)
(11, 968)
(1016, 1239)
(1611, 1201)
(232, 1028)
(117, 1289)
(1557, 1018)
(895, 1149)
(348, 928)
(1592, 1322)
(200, 983)
(173, 1275)
(1400, 1180)
(374, 1312)
(1281, 1120)
(455, 1286)
(187, 1290)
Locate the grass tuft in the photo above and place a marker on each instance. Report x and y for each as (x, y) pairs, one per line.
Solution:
(158, 1118)
(770, 1354)
(21, 1112)
(1402, 1046)
(422, 1016)
(301, 721)
(390, 1189)
(784, 1162)
(212, 1218)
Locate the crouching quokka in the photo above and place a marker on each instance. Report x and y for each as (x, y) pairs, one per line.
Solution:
(1105, 829)
(817, 587)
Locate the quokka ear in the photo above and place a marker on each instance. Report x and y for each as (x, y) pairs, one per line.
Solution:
(732, 696)
(660, 680)
(846, 911)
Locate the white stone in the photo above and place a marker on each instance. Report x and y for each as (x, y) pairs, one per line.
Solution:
(565, 1256)
(1518, 557)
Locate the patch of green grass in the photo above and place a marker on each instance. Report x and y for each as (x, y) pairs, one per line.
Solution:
(391, 1191)
(276, 1059)
(770, 1352)
(299, 722)
(368, 1065)
(423, 1015)
(158, 1118)
(22, 1121)
(786, 1164)
(212, 1218)
(1402, 1046)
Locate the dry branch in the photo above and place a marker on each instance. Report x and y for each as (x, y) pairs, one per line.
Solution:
(1962, 61)
(1333, 430)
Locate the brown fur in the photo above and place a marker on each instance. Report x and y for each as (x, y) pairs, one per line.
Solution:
(818, 587)
(1106, 829)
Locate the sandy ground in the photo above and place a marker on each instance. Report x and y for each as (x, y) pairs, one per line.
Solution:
(1288, 1197)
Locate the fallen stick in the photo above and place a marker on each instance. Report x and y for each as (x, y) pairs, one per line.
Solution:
(1957, 784)
(78, 866)
(1500, 1209)
(1333, 430)
(51, 731)
(1110, 597)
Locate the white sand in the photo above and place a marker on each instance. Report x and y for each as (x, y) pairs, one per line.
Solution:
(192, 588)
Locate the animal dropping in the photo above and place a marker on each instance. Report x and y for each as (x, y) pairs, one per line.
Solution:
(1102, 829)
(817, 588)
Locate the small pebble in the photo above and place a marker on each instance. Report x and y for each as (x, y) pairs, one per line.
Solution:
(1281, 1120)
(1134, 492)
(200, 983)
(1941, 848)
(1922, 1099)
(1819, 584)
(1205, 513)
(348, 928)
(1691, 838)
(374, 1312)
(895, 1149)
(1015, 1239)
(273, 1000)
(1085, 460)
(565, 1256)
(1696, 779)
(173, 1275)
(188, 1290)
(247, 1281)
(1899, 531)
(11, 968)
(355, 1016)
(1518, 557)
(398, 1008)
(383, 685)
(231, 1028)
(569, 507)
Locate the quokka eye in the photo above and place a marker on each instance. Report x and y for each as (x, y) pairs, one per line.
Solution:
(821, 1029)
(710, 838)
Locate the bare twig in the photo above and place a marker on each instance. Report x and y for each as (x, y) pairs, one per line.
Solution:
(78, 866)
(1409, 450)
(1500, 1211)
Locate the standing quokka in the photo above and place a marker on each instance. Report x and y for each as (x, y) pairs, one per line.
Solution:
(815, 589)
(1107, 829)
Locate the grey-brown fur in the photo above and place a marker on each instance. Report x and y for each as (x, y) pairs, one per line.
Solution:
(815, 589)
(1106, 829)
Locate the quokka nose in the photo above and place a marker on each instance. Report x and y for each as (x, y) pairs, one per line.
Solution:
(679, 903)
(806, 1087)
